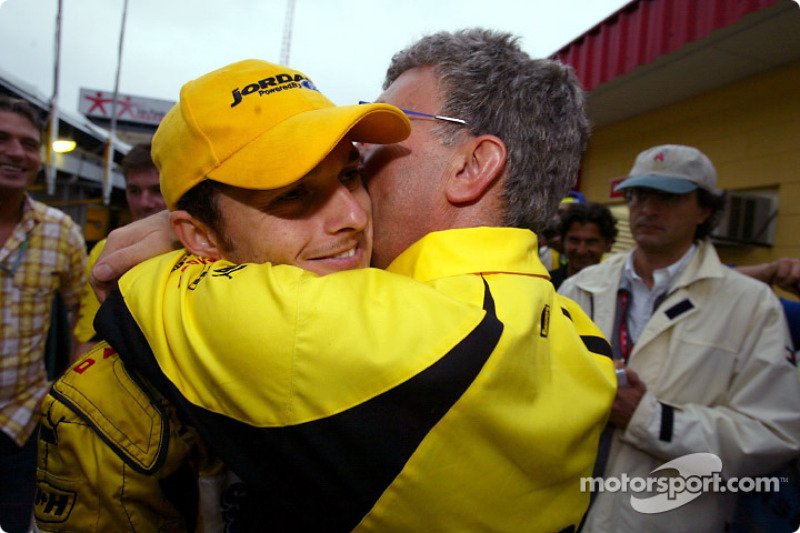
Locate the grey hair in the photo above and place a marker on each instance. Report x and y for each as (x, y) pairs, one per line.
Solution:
(536, 106)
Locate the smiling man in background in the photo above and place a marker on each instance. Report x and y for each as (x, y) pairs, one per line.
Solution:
(42, 252)
(588, 231)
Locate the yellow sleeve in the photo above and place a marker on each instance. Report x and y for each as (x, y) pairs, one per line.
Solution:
(587, 329)
(217, 329)
(84, 329)
(104, 447)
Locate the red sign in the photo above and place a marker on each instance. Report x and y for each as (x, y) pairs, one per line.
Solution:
(150, 111)
(613, 194)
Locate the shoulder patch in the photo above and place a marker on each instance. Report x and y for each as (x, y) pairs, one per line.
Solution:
(545, 321)
(679, 308)
(115, 404)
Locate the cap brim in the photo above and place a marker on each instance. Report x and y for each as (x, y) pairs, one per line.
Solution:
(290, 150)
(660, 183)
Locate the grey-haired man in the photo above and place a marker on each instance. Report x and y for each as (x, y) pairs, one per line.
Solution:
(453, 206)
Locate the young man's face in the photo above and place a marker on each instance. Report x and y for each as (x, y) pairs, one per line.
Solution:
(321, 223)
(584, 246)
(143, 192)
(20, 156)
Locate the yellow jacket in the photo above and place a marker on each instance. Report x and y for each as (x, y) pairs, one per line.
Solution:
(84, 328)
(112, 454)
(453, 392)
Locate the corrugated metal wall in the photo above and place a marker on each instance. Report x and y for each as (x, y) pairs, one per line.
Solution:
(643, 30)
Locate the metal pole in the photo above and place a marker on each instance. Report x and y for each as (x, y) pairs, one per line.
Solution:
(288, 22)
(107, 175)
(52, 130)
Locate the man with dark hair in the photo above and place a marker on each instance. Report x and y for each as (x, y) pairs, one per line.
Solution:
(588, 230)
(143, 193)
(42, 252)
(347, 407)
(142, 190)
(551, 250)
(709, 380)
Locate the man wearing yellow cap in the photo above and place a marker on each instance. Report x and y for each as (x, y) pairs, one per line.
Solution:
(113, 455)
(454, 391)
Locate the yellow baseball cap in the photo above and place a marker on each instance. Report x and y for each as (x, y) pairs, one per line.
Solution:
(258, 125)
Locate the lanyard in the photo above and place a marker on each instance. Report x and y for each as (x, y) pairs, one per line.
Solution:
(625, 342)
(20, 254)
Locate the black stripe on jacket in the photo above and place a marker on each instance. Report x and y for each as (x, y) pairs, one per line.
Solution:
(327, 474)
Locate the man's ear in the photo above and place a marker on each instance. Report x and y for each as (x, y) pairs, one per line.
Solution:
(482, 163)
(195, 236)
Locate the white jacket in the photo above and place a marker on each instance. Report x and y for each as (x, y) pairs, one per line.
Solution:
(720, 379)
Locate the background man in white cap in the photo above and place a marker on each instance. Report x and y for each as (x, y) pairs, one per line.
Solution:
(704, 349)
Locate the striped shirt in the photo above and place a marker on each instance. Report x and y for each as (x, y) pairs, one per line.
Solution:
(45, 253)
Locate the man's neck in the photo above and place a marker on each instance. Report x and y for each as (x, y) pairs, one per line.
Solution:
(647, 262)
(570, 270)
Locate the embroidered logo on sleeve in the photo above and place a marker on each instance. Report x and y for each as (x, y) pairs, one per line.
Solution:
(52, 503)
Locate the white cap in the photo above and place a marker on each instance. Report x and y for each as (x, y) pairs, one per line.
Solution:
(672, 168)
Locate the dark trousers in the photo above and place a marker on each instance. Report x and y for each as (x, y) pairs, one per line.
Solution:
(17, 483)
